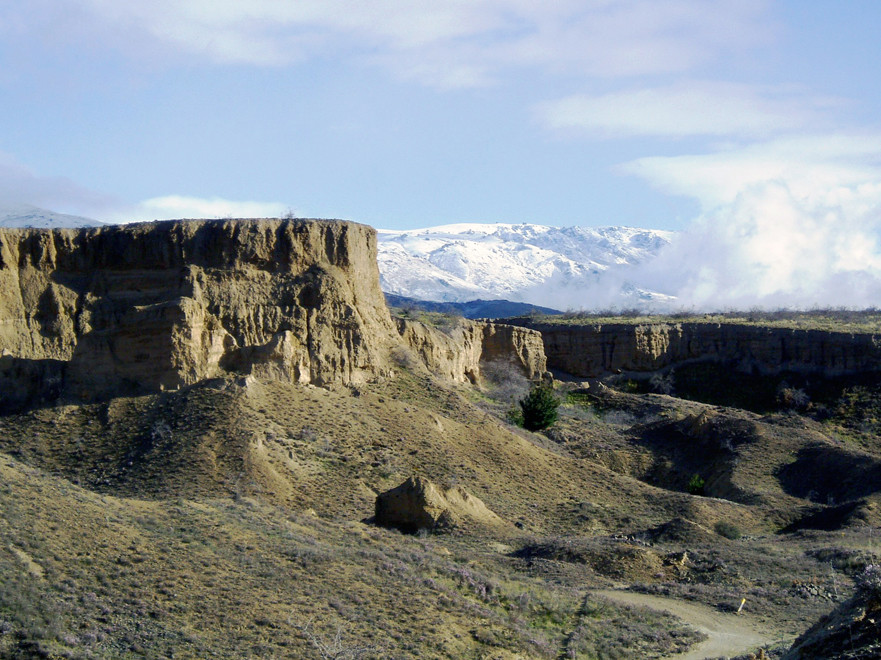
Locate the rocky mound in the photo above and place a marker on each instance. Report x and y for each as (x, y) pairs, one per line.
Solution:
(619, 558)
(419, 504)
(458, 354)
(682, 530)
(852, 631)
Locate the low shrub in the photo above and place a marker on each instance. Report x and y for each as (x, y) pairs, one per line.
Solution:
(696, 484)
(539, 407)
(728, 530)
(869, 581)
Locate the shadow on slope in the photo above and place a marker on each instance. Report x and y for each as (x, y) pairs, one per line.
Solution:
(828, 474)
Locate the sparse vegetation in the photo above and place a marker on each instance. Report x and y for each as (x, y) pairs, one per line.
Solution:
(728, 530)
(792, 398)
(696, 485)
(829, 319)
(663, 383)
(443, 321)
(869, 581)
(191, 514)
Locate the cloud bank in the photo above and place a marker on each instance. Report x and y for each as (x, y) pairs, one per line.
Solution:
(688, 109)
(20, 184)
(793, 222)
(174, 207)
(444, 44)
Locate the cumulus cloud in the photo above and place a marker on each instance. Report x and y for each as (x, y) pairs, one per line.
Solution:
(818, 167)
(696, 108)
(772, 249)
(457, 43)
(787, 223)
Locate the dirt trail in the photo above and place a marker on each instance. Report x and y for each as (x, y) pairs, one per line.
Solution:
(728, 634)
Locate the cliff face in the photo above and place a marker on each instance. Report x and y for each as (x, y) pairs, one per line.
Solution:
(595, 350)
(161, 305)
(458, 356)
(95, 312)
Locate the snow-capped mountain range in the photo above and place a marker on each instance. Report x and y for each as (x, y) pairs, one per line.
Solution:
(559, 267)
(564, 267)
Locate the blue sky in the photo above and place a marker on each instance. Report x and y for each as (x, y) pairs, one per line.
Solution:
(652, 113)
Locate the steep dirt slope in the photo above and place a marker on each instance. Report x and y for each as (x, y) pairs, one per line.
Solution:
(240, 503)
(330, 450)
(797, 469)
(228, 521)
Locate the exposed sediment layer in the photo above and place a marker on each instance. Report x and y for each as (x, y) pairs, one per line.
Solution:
(160, 305)
(96, 312)
(594, 350)
(459, 354)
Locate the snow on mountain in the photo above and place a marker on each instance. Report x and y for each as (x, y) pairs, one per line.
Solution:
(561, 267)
(579, 266)
(25, 215)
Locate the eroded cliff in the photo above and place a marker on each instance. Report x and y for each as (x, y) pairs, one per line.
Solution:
(594, 350)
(458, 355)
(122, 309)
(161, 305)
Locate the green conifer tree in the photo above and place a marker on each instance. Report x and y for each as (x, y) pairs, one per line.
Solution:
(539, 407)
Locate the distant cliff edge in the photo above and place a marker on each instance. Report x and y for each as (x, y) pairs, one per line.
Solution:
(598, 349)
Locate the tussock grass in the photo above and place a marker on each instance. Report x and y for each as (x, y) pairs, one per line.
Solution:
(229, 522)
(827, 319)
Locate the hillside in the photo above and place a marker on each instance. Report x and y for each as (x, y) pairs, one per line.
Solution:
(217, 499)
(472, 309)
(25, 215)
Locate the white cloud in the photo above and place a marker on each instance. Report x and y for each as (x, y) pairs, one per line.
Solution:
(173, 207)
(790, 222)
(451, 43)
(813, 167)
(19, 185)
(687, 109)
(772, 249)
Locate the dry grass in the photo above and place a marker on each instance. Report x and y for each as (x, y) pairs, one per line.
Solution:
(832, 320)
(229, 522)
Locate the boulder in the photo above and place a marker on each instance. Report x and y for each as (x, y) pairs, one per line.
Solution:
(419, 504)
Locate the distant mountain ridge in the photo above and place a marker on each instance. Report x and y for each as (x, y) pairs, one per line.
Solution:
(472, 309)
(522, 263)
(25, 215)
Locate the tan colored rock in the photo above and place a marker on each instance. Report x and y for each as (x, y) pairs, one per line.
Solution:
(97, 312)
(156, 306)
(420, 504)
(459, 354)
(593, 350)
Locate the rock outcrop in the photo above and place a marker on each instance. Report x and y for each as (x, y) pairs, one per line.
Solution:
(419, 504)
(457, 355)
(97, 312)
(594, 350)
(160, 305)
(850, 631)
